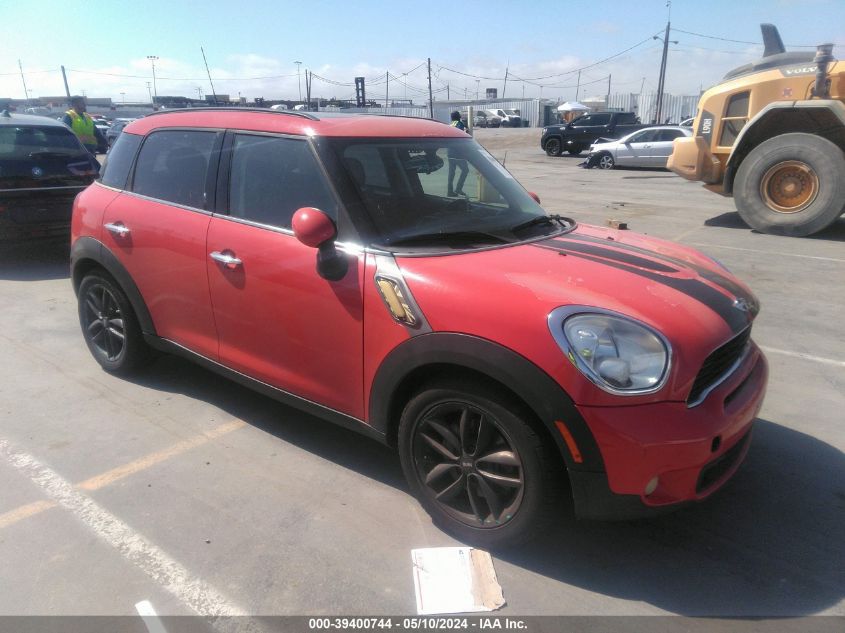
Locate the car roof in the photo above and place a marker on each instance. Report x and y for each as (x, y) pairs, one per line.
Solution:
(297, 122)
(29, 119)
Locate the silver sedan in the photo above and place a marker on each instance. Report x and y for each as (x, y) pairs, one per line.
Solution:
(649, 147)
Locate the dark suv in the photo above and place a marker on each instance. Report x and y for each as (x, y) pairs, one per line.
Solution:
(42, 168)
(507, 354)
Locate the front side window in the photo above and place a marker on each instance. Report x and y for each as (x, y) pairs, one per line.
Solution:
(173, 166)
(646, 136)
(448, 193)
(669, 135)
(736, 116)
(272, 177)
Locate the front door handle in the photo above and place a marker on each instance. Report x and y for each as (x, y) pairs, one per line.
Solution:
(225, 258)
(118, 228)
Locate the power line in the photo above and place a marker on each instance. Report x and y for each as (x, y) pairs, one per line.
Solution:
(725, 39)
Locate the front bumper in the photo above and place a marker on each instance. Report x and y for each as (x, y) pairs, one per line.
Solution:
(692, 452)
(692, 159)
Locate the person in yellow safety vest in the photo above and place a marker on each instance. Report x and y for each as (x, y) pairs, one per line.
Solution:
(78, 120)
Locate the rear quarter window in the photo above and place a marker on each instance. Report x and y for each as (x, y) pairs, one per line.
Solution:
(115, 171)
(173, 166)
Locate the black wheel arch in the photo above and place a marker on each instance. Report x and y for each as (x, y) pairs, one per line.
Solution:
(431, 355)
(87, 254)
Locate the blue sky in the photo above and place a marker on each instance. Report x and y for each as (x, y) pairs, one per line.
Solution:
(339, 40)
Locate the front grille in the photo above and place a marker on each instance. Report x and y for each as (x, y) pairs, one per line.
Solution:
(715, 366)
(716, 469)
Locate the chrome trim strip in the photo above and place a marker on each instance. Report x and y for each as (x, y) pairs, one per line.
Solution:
(725, 375)
(166, 202)
(558, 316)
(388, 269)
(62, 188)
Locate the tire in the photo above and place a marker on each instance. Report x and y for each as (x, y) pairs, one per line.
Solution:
(769, 177)
(522, 483)
(574, 150)
(553, 147)
(605, 161)
(109, 325)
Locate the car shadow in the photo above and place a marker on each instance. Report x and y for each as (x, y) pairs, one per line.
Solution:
(35, 260)
(731, 220)
(767, 545)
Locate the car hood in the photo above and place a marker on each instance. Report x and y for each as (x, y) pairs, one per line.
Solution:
(506, 294)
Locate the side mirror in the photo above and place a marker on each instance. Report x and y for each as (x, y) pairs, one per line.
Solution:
(315, 229)
(535, 196)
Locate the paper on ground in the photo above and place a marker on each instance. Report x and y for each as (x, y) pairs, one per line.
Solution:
(455, 580)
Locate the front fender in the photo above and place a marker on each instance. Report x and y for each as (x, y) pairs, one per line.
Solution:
(532, 385)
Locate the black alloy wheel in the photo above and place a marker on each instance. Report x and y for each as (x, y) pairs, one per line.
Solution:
(109, 326)
(103, 322)
(553, 147)
(474, 460)
(468, 464)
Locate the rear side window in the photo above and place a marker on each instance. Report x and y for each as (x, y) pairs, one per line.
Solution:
(626, 118)
(115, 171)
(272, 177)
(173, 166)
(669, 135)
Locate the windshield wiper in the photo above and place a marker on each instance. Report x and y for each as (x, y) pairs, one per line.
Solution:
(447, 236)
(543, 219)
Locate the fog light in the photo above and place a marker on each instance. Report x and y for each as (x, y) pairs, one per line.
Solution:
(651, 486)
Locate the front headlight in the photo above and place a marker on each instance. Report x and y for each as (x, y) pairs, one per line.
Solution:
(616, 353)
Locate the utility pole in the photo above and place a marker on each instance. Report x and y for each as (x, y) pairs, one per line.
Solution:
(386, 88)
(153, 59)
(308, 88)
(505, 87)
(25, 91)
(477, 84)
(659, 110)
(578, 86)
(430, 94)
(448, 95)
(149, 90)
(298, 64)
(607, 103)
(67, 90)
(205, 61)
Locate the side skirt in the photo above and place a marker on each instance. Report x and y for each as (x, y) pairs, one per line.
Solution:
(289, 399)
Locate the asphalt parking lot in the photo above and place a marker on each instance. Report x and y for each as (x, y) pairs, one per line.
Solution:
(184, 489)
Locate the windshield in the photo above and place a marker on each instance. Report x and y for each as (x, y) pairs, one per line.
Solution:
(444, 192)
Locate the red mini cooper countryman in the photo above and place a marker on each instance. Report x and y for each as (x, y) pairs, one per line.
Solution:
(389, 275)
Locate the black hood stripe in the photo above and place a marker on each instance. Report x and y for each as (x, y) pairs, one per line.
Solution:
(720, 280)
(600, 251)
(718, 302)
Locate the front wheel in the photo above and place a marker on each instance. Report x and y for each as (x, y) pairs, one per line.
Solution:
(792, 184)
(476, 465)
(574, 150)
(109, 325)
(605, 161)
(553, 147)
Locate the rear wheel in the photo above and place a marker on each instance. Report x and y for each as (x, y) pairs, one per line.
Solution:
(793, 184)
(476, 465)
(109, 325)
(553, 147)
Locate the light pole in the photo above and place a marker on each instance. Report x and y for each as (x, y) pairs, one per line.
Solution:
(153, 59)
(658, 112)
(298, 65)
(477, 84)
(123, 97)
(150, 92)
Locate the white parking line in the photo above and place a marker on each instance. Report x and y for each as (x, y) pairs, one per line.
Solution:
(194, 592)
(150, 617)
(815, 359)
(754, 250)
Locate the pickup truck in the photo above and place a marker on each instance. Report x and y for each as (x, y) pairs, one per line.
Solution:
(576, 136)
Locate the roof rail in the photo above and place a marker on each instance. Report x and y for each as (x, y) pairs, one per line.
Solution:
(299, 113)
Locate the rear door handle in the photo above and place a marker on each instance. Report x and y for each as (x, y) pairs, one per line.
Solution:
(118, 228)
(227, 259)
